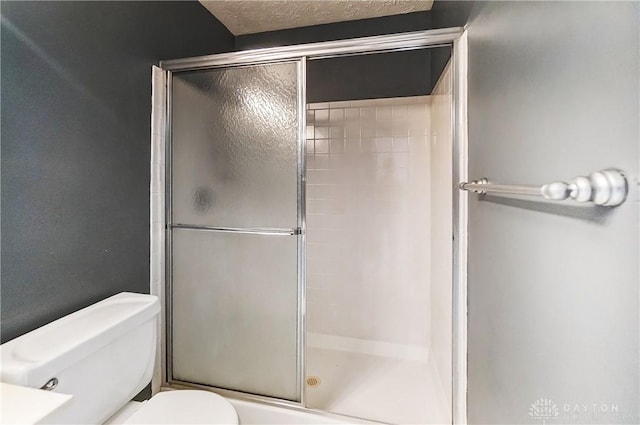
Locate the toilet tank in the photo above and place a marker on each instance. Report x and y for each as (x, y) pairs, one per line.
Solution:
(103, 355)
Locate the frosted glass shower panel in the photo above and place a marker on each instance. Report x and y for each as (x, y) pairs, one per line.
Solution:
(235, 137)
(235, 311)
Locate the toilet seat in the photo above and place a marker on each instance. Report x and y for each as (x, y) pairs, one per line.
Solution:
(185, 407)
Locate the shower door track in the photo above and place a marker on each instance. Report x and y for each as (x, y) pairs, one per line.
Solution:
(455, 37)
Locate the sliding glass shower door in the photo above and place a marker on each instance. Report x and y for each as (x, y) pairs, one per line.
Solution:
(234, 225)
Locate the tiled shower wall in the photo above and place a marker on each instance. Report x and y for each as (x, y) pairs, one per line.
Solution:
(368, 221)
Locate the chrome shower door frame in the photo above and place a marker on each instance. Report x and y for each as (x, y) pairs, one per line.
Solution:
(455, 37)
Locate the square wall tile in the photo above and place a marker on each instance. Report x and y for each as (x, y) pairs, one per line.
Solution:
(321, 146)
(401, 144)
(336, 116)
(321, 132)
(322, 117)
(336, 145)
(324, 105)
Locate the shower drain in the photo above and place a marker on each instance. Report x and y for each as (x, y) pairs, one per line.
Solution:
(313, 381)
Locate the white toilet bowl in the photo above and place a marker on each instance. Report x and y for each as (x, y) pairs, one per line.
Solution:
(103, 355)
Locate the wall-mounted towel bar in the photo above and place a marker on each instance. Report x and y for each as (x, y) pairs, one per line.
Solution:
(606, 187)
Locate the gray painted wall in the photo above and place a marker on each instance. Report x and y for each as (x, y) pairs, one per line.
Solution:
(553, 288)
(76, 105)
(383, 75)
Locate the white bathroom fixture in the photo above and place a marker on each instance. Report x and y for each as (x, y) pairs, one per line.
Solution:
(103, 356)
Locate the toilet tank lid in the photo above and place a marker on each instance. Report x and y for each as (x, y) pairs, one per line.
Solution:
(39, 354)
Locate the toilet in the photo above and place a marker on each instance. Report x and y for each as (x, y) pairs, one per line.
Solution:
(103, 355)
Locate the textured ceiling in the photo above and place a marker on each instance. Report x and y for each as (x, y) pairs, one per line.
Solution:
(251, 16)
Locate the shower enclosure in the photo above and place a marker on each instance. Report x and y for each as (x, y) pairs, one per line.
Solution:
(293, 244)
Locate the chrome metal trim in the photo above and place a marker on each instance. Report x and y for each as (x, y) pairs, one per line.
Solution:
(394, 50)
(302, 220)
(607, 188)
(168, 258)
(247, 64)
(248, 230)
(266, 401)
(50, 385)
(460, 231)
(483, 186)
(360, 45)
(159, 116)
